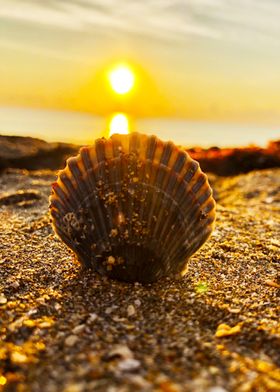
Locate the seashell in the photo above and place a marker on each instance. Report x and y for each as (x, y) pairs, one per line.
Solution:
(133, 207)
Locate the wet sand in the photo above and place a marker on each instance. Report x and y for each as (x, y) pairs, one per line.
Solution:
(216, 330)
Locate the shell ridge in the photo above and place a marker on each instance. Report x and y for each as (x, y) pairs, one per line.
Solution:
(84, 190)
(192, 238)
(86, 199)
(197, 243)
(166, 200)
(187, 214)
(58, 194)
(190, 216)
(90, 187)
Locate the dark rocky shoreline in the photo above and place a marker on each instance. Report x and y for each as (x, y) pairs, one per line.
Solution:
(35, 154)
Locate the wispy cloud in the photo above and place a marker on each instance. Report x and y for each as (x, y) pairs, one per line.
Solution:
(241, 21)
(158, 19)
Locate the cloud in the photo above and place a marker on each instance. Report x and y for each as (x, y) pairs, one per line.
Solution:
(240, 21)
(156, 18)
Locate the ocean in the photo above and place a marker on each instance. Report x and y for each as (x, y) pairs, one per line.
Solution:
(83, 128)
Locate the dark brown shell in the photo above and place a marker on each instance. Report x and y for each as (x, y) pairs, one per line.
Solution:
(133, 207)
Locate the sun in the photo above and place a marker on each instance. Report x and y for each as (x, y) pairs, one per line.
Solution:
(121, 79)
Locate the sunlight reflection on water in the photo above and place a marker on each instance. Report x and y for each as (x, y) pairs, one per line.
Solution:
(119, 123)
(83, 128)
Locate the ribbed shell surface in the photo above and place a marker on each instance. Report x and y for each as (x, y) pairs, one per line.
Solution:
(133, 207)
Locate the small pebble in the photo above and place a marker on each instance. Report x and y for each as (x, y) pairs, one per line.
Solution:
(71, 340)
(15, 285)
(92, 317)
(75, 387)
(234, 310)
(272, 283)
(78, 329)
(57, 306)
(131, 310)
(128, 365)
(217, 389)
(18, 358)
(121, 351)
(225, 330)
(3, 299)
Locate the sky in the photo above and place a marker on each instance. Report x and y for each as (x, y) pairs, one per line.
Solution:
(207, 60)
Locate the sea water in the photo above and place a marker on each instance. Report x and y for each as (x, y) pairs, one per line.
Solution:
(83, 128)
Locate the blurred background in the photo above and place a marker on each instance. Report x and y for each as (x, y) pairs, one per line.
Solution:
(199, 72)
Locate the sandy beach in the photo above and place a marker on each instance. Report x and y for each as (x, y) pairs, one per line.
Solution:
(134, 86)
(216, 330)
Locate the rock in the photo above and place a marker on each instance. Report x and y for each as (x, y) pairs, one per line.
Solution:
(217, 389)
(20, 198)
(71, 340)
(232, 161)
(3, 299)
(92, 317)
(131, 310)
(137, 302)
(121, 351)
(74, 387)
(33, 154)
(226, 330)
(18, 358)
(139, 382)
(109, 310)
(78, 329)
(15, 285)
(272, 283)
(128, 365)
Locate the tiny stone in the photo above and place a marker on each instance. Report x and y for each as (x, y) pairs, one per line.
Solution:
(118, 319)
(121, 351)
(92, 317)
(75, 387)
(111, 260)
(57, 306)
(269, 200)
(272, 283)
(217, 389)
(109, 310)
(45, 324)
(131, 310)
(226, 330)
(137, 302)
(213, 370)
(71, 340)
(18, 358)
(78, 329)
(3, 299)
(129, 364)
(234, 310)
(15, 285)
(114, 233)
(139, 381)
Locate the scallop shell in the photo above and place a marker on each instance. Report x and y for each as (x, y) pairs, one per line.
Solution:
(133, 207)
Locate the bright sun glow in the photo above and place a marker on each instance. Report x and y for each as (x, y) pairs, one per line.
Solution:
(121, 79)
(119, 124)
